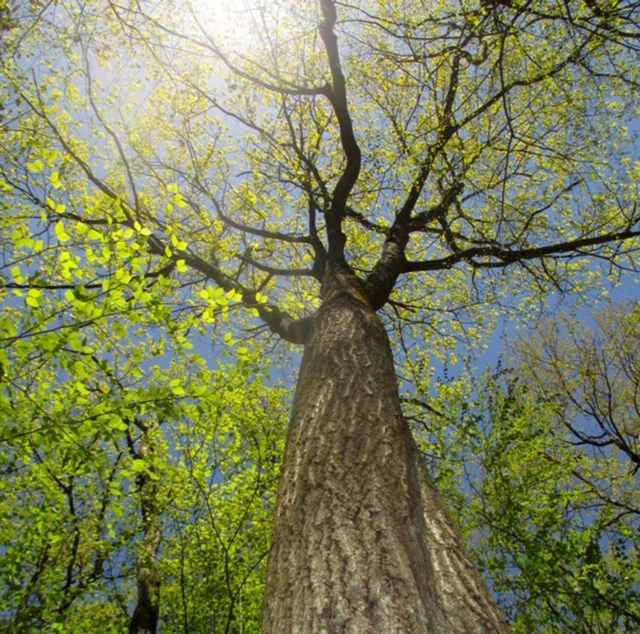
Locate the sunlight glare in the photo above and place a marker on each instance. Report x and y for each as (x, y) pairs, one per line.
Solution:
(232, 24)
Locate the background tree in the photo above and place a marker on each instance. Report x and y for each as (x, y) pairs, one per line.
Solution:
(591, 375)
(343, 160)
(539, 478)
(111, 470)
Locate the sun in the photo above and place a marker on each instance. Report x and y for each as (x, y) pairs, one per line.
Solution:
(234, 25)
(240, 26)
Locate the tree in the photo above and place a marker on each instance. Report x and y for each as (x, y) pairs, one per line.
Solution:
(591, 375)
(537, 477)
(345, 161)
(85, 507)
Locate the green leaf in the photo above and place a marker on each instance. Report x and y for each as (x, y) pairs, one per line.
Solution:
(54, 179)
(35, 166)
(138, 465)
(60, 232)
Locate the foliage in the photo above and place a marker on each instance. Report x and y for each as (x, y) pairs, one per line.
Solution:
(163, 186)
(591, 375)
(552, 514)
(78, 406)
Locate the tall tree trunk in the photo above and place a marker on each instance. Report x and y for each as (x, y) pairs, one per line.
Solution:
(361, 541)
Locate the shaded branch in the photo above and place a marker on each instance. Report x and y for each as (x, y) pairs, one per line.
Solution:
(497, 257)
(337, 95)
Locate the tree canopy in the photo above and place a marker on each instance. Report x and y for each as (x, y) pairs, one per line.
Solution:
(168, 184)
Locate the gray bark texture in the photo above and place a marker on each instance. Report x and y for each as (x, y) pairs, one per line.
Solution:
(362, 542)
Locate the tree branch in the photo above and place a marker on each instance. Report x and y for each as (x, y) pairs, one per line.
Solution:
(337, 95)
(497, 257)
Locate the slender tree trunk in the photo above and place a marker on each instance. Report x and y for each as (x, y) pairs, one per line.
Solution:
(146, 613)
(361, 541)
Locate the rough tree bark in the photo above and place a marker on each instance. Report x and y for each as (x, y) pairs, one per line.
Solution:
(361, 540)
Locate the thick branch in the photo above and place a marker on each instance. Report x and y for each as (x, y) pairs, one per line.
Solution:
(382, 279)
(337, 95)
(279, 322)
(497, 257)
